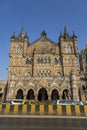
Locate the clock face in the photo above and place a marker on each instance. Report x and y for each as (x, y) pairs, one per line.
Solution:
(18, 49)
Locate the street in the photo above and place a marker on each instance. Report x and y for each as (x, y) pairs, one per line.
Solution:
(38, 123)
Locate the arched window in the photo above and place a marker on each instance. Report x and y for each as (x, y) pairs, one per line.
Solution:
(54, 95)
(42, 94)
(58, 74)
(55, 61)
(29, 61)
(30, 94)
(70, 61)
(19, 94)
(66, 94)
(28, 74)
(68, 49)
(59, 61)
(83, 87)
(43, 60)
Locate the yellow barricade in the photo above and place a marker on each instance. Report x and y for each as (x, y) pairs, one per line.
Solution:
(7, 109)
(50, 109)
(59, 110)
(68, 110)
(77, 110)
(0, 107)
(85, 110)
(24, 108)
(32, 109)
(41, 109)
(15, 108)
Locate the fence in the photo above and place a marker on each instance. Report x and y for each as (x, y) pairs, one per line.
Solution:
(58, 110)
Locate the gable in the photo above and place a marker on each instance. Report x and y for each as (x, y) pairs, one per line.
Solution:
(43, 46)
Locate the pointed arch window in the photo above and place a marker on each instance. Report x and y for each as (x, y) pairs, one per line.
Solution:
(68, 49)
(57, 61)
(70, 61)
(43, 60)
(29, 61)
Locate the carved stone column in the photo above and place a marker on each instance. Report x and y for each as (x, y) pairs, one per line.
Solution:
(49, 97)
(36, 96)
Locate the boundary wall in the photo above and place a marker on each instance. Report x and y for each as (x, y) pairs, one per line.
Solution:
(58, 110)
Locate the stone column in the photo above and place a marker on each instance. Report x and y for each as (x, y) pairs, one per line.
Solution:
(49, 97)
(25, 97)
(60, 96)
(36, 96)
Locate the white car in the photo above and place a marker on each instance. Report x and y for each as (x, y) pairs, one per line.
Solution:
(64, 102)
(17, 101)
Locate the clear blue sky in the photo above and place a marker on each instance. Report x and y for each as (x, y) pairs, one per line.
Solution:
(38, 15)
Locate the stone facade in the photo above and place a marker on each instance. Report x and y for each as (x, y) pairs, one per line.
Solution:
(44, 70)
(83, 73)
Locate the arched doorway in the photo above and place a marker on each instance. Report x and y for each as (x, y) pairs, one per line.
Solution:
(30, 94)
(66, 94)
(1, 96)
(54, 95)
(19, 94)
(42, 95)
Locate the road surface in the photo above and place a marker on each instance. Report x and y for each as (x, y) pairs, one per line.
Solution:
(38, 123)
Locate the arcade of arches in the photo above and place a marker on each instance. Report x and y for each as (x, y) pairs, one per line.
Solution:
(44, 69)
(43, 94)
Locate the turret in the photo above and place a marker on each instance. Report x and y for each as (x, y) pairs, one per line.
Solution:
(74, 38)
(65, 35)
(26, 38)
(13, 37)
(21, 35)
(61, 37)
(43, 36)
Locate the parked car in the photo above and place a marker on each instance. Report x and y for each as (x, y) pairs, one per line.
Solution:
(64, 102)
(76, 103)
(6, 102)
(18, 101)
(33, 102)
(53, 102)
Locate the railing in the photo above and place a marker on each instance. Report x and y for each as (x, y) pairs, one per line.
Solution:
(55, 110)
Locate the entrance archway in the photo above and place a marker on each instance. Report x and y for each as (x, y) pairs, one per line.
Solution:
(19, 94)
(42, 95)
(54, 95)
(30, 94)
(66, 94)
(1, 96)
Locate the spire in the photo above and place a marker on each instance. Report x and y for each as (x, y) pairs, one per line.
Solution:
(26, 38)
(13, 37)
(43, 33)
(21, 35)
(66, 35)
(74, 36)
(22, 32)
(43, 36)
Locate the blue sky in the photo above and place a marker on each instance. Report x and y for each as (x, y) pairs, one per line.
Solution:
(36, 16)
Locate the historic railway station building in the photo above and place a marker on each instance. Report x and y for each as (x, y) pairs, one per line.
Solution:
(45, 70)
